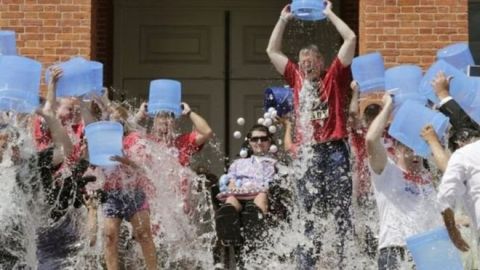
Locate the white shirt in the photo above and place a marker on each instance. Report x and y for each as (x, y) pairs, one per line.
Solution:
(461, 181)
(406, 205)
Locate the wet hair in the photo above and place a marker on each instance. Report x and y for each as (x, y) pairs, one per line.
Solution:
(313, 48)
(370, 112)
(461, 135)
(165, 114)
(122, 111)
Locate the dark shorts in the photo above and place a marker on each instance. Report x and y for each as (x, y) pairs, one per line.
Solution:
(124, 204)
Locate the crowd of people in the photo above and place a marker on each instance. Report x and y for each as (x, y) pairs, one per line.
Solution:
(351, 161)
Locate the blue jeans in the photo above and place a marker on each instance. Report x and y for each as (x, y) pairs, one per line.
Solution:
(330, 175)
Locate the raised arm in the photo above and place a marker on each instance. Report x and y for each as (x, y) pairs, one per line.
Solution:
(440, 155)
(86, 111)
(204, 132)
(353, 109)
(274, 48)
(347, 50)
(63, 146)
(458, 118)
(51, 98)
(287, 138)
(377, 155)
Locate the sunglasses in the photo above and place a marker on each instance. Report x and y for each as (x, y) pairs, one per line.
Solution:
(261, 138)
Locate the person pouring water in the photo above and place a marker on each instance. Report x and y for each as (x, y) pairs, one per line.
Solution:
(328, 89)
(403, 189)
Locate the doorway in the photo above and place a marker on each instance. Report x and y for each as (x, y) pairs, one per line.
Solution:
(216, 49)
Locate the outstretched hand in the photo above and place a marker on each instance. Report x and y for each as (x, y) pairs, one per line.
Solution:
(387, 100)
(56, 73)
(355, 86)
(328, 7)
(441, 85)
(186, 108)
(286, 13)
(428, 134)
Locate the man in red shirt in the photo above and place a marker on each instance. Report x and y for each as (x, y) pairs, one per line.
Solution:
(320, 104)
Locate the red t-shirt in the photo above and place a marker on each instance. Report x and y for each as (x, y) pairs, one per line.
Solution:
(331, 110)
(185, 144)
(43, 138)
(361, 171)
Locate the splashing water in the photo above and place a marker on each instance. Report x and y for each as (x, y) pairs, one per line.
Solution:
(183, 229)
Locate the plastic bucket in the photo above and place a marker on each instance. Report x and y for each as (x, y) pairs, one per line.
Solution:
(280, 98)
(8, 44)
(405, 79)
(96, 73)
(76, 79)
(308, 10)
(408, 122)
(434, 250)
(369, 71)
(104, 140)
(19, 83)
(457, 55)
(462, 88)
(165, 96)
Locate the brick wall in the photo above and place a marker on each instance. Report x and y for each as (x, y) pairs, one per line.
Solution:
(49, 30)
(411, 31)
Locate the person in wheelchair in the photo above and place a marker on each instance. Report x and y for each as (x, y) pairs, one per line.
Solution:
(244, 189)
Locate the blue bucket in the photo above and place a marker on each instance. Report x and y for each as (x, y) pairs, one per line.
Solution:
(434, 250)
(408, 122)
(462, 87)
(280, 98)
(308, 10)
(165, 96)
(369, 71)
(457, 55)
(76, 79)
(8, 43)
(19, 83)
(405, 80)
(96, 73)
(104, 140)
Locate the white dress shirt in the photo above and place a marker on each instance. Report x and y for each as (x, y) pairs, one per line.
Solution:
(461, 181)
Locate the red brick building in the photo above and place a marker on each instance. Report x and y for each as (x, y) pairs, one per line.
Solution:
(219, 44)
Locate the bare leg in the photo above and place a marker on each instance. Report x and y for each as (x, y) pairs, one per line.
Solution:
(143, 234)
(261, 201)
(112, 230)
(233, 201)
